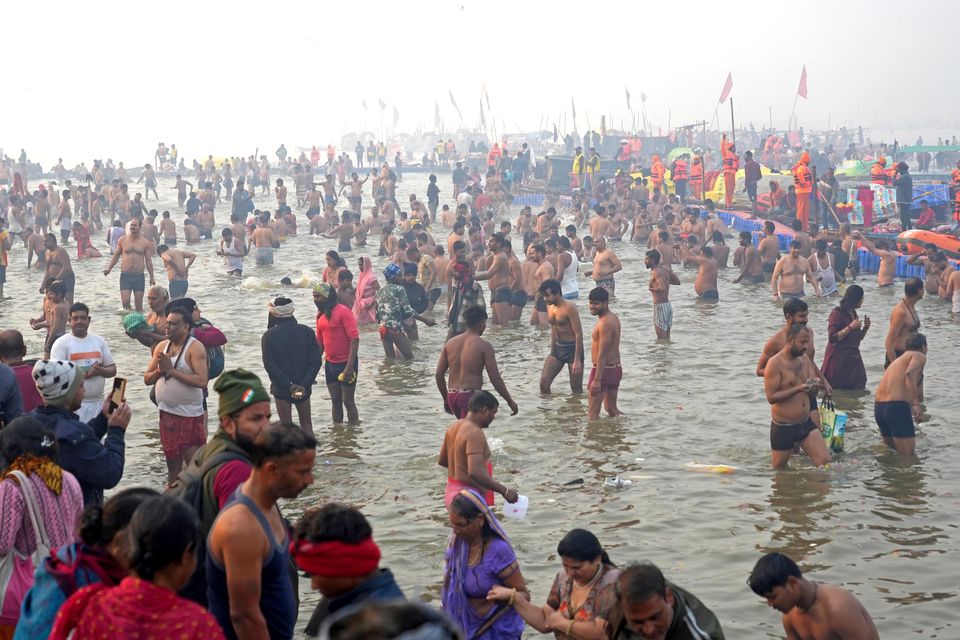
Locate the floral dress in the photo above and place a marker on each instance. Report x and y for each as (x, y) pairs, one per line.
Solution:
(598, 603)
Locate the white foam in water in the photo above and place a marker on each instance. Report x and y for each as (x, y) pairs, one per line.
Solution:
(496, 445)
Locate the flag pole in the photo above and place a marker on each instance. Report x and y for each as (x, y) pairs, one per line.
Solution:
(733, 128)
(793, 111)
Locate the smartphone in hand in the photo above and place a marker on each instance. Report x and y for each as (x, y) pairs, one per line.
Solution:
(118, 394)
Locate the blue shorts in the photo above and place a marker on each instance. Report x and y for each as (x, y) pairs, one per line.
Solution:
(178, 289)
(573, 295)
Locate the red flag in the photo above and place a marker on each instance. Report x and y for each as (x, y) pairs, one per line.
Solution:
(727, 86)
(802, 89)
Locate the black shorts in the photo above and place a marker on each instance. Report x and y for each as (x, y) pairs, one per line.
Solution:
(756, 279)
(132, 282)
(886, 359)
(502, 294)
(784, 437)
(69, 283)
(565, 352)
(894, 418)
(540, 304)
(519, 299)
(435, 294)
(333, 369)
(768, 267)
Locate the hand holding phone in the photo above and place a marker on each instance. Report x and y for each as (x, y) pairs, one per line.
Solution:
(118, 393)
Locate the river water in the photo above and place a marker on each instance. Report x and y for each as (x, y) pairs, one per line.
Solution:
(885, 529)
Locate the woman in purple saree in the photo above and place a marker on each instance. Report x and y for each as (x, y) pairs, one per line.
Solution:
(479, 557)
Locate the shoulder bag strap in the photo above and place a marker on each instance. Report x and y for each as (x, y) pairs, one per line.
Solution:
(33, 508)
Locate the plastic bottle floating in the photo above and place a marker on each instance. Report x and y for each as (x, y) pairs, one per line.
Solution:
(710, 468)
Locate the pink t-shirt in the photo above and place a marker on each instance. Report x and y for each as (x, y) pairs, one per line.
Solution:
(336, 333)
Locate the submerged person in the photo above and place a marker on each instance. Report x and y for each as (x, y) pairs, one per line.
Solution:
(810, 609)
(480, 557)
(842, 363)
(582, 596)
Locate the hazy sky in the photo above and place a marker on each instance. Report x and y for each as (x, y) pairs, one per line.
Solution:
(99, 79)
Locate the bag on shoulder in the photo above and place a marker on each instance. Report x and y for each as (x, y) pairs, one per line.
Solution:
(189, 487)
(9, 562)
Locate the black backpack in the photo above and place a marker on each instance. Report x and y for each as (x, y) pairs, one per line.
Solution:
(189, 488)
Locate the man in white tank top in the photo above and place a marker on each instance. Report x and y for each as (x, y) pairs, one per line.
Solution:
(568, 265)
(179, 371)
(821, 263)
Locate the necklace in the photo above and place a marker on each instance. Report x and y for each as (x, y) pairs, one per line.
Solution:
(812, 602)
(593, 580)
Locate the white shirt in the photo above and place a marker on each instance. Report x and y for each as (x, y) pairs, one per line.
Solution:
(464, 198)
(84, 352)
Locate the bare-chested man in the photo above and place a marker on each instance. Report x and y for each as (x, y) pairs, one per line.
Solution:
(149, 180)
(605, 376)
(541, 272)
(706, 283)
(769, 248)
(168, 229)
(182, 187)
(811, 610)
(136, 253)
(355, 198)
(280, 191)
(789, 274)
(466, 455)
(904, 320)
(600, 226)
(660, 280)
(34, 242)
(54, 316)
(665, 247)
(789, 379)
(747, 257)
(466, 357)
(692, 225)
(264, 240)
(566, 339)
(952, 291)
(899, 395)
(501, 279)
(605, 265)
(888, 259)
(177, 263)
(58, 267)
(518, 295)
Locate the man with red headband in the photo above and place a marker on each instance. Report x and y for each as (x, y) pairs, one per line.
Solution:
(334, 546)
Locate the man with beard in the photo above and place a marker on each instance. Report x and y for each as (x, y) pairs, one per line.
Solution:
(224, 463)
(790, 380)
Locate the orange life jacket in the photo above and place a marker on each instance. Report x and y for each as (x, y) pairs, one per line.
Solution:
(696, 172)
(730, 160)
(878, 175)
(802, 179)
(657, 172)
(679, 170)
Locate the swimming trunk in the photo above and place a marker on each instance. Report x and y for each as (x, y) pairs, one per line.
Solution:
(519, 299)
(355, 202)
(663, 316)
(610, 380)
(886, 359)
(501, 295)
(712, 294)
(312, 211)
(606, 283)
(786, 295)
(768, 267)
(69, 283)
(573, 295)
(454, 487)
(264, 255)
(344, 246)
(756, 279)
(457, 400)
(170, 242)
(540, 304)
(784, 437)
(179, 433)
(435, 294)
(565, 352)
(329, 199)
(178, 289)
(894, 418)
(132, 281)
(331, 371)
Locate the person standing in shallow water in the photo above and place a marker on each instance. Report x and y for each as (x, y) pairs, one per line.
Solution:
(604, 383)
(842, 363)
(137, 254)
(292, 360)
